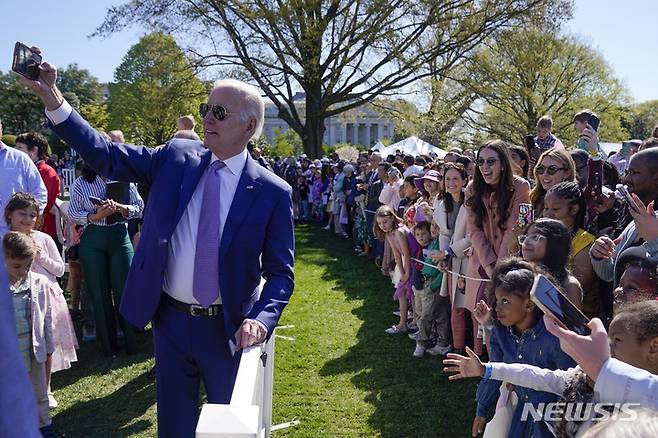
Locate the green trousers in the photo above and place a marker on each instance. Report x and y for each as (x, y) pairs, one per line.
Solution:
(106, 254)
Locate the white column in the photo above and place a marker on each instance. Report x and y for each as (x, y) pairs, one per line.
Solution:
(380, 130)
(355, 134)
(368, 129)
(343, 137)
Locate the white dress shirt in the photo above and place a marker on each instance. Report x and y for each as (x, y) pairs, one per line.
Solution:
(179, 274)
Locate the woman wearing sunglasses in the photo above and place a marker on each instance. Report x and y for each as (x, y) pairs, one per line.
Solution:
(492, 201)
(547, 243)
(553, 167)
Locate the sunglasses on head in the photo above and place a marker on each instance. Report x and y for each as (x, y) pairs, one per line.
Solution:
(551, 170)
(490, 161)
(218, 111)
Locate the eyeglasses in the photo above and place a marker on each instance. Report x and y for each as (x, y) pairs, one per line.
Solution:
(490, 162)
(533, 238)
(551, 170)
(218, 111)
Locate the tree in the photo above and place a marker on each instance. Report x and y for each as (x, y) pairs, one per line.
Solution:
(342, 54)
(528, 73)
(80, 82)
(641, 119)
(154, 85)
(20, 110)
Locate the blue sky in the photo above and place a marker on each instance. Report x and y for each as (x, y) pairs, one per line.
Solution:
(623, 31)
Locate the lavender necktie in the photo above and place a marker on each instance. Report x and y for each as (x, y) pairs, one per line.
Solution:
(206, 257)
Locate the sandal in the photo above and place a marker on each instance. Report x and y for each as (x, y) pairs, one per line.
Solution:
(394, 330)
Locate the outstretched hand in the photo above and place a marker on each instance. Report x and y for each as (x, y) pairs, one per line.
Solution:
(464, 366)
(590, 352)
(46, 86)
(644, 217)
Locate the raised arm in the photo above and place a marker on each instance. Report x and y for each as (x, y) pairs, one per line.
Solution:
(113, 160)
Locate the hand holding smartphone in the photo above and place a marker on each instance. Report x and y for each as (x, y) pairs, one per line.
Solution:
(96, 201)
(26, 62)
(556, 305)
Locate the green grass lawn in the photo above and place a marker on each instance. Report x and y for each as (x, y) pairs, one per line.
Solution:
(342, 376)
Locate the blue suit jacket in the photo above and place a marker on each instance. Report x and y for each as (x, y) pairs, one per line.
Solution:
(258, 236)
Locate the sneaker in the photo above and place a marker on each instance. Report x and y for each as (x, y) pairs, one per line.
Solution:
(52, 403)
(396, 313)
(437, 350)
(328, 227)
(414, 336)
(419, 351)
(394, 330)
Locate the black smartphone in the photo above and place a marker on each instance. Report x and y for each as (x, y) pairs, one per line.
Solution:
(594, 122)
(26, 62)
(529, 141)
(96, 201)
(555, 304)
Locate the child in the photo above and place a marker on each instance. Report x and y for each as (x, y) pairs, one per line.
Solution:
(547, 242)
(21, 214)
(639, 281)
(31, 297)
(633, 339)
(431, 309)
(304, 190)
(518, 335)
(388, 227)
(565, 202)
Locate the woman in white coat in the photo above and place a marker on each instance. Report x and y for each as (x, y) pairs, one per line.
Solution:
(450, 215)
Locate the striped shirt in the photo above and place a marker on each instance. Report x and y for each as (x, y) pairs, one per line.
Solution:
(80, 206)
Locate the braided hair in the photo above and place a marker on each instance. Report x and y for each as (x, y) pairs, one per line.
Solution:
(570, 192)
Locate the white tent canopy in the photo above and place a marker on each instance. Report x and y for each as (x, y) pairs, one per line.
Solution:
(378, 146)
(412, 146)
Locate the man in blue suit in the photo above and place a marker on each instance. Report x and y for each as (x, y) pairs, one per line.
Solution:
(216, 222)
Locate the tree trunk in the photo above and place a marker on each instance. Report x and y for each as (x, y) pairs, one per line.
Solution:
(314, 124)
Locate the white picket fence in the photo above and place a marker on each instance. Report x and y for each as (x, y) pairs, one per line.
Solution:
(68, 176)
(249, 414)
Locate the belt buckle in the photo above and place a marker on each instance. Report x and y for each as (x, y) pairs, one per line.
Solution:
(196, 310)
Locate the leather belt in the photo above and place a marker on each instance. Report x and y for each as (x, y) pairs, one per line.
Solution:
(194, 309)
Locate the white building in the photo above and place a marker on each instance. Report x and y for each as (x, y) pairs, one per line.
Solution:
(363, 125)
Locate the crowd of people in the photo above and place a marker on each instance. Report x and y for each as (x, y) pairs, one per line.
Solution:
(463, 237)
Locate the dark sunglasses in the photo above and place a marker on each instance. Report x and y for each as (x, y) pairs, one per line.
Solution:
(551, 170)
(490, 161)
(218, 111)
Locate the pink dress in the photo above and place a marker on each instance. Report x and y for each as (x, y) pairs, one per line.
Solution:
(49, 263)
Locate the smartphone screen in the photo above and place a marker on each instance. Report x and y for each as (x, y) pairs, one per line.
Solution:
(526, 215)
(529, 141)
(94, 200)
(554, 303)
(594, 122)
(26, 62)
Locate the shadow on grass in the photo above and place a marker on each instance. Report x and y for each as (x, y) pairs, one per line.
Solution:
(111, 415)
(411, 396)
(84, 411)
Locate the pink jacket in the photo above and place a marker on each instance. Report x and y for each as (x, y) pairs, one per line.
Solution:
(489, 242)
